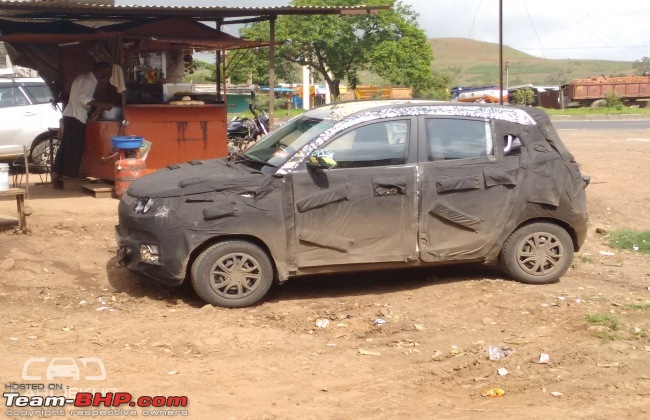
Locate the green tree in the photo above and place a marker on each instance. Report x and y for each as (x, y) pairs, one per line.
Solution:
(612, 100)
(389, 43)
(255, 62)
(642, 66)
(203, 72)
(524, 96)
(439, 89)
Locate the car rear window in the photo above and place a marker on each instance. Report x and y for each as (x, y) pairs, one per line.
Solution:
(449, 138)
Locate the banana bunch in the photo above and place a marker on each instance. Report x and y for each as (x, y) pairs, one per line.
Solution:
(189, 63)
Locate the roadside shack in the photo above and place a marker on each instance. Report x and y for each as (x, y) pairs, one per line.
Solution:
(151, 47)
(150, 58)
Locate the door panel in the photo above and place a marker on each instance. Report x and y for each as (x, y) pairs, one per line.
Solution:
(467, 190)
(355, 215)
(363, 210)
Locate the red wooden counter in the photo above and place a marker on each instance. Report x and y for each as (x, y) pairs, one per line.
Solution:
(177, 134)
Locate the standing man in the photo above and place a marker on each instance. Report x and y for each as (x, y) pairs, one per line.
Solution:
(75, 115)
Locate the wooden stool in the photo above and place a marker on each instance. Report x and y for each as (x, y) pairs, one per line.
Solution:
(19, 193)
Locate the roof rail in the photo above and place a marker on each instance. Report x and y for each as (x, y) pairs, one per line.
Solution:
(8, 73)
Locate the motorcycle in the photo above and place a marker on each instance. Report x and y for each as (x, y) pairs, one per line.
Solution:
(244, 132)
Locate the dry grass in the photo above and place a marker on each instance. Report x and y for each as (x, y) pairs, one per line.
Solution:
(477, 63)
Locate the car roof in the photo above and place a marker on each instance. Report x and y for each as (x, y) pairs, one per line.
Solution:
(342, 110)
(22, 80)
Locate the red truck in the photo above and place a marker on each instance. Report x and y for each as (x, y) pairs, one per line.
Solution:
(632, 90)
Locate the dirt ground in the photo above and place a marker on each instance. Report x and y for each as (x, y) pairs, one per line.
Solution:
(64, 296)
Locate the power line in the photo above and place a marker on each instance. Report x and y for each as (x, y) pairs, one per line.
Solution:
(585, 48)
(474, 19)
(534, 30)
(614, 33)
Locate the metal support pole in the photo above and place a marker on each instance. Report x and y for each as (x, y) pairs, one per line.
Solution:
(217, 64)
(272, 72)
(305, 88)
(501, 52)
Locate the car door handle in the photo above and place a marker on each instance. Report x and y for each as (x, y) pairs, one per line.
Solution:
(29, 114)
(395, 185)
(389, 189)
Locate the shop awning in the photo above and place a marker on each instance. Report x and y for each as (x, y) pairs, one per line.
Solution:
(151, 33)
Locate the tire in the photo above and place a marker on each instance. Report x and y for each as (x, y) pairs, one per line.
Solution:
(538, 253)
(39, 154)
(599, 103)
(217, 283)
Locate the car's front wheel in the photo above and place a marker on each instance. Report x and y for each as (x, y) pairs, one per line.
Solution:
(537, 253)
(232, 274)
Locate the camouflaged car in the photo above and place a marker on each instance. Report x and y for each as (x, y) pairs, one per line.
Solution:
(362, 186)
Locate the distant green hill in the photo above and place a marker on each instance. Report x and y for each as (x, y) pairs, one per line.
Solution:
(476, 63)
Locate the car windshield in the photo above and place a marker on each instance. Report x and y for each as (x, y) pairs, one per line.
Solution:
(279, 145)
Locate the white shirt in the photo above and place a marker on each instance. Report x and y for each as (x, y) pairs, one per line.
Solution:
(81, 92)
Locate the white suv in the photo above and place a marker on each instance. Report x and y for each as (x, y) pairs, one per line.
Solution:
(26, 114)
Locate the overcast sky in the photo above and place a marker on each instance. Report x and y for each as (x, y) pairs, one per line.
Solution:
(599, 29)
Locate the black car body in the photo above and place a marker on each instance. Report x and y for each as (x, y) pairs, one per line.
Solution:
(360, 186)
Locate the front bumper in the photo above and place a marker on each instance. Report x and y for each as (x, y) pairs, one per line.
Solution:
(168, 269)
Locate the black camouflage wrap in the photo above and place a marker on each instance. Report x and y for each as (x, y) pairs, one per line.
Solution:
(312, 221)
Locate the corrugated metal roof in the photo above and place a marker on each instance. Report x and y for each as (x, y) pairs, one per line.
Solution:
(66, 9)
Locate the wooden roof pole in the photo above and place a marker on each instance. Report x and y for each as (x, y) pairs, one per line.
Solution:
(122, 60)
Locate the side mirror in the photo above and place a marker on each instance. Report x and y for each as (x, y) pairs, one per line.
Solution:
(321, 159)
(511, 143)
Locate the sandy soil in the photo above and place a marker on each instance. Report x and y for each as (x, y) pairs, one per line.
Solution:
(429, 360)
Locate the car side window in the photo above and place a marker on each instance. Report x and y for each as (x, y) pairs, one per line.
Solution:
(449, 138)
(7, 97)
(12, 96)
(40, 94)
(375, 144)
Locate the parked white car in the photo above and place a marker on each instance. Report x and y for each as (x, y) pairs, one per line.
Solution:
(26, 114)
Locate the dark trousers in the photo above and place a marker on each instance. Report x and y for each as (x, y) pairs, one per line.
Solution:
(71, 148)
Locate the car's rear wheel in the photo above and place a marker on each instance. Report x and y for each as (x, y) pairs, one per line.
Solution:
(537, 253)
(232, 274)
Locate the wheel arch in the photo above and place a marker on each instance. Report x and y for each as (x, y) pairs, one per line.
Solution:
(224, 238)
(566, 226)
(37, 139)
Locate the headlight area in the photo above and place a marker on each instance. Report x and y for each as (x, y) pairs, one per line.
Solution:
(160, 211)
(152, 207)
(143, 205)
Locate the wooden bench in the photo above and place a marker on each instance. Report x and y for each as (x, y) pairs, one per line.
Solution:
(19, 193)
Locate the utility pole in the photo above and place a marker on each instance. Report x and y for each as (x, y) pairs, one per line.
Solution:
(501, 52)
